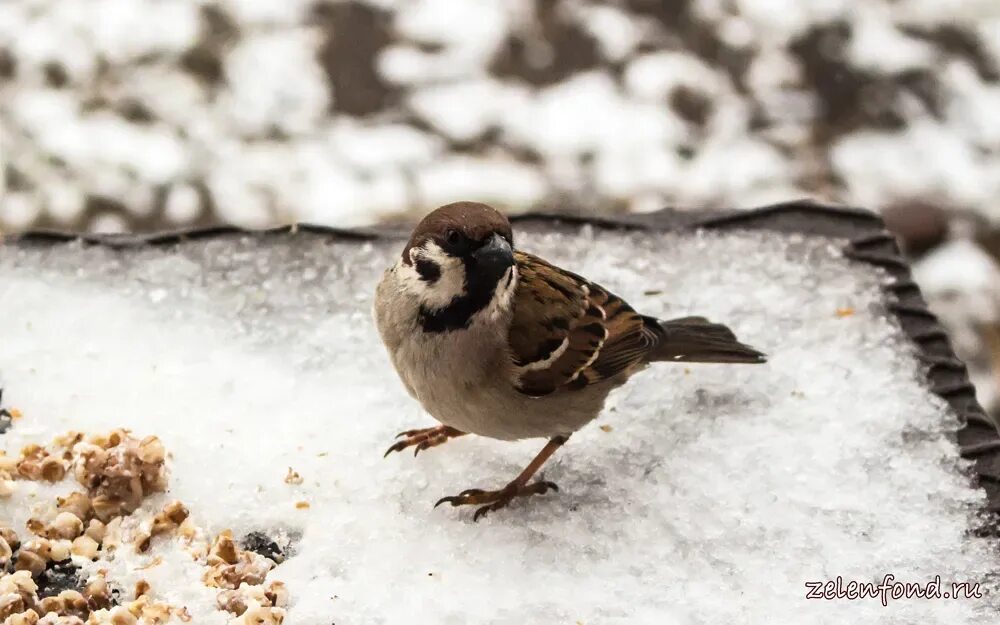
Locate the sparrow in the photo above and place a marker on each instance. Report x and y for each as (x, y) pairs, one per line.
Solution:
(497, 342)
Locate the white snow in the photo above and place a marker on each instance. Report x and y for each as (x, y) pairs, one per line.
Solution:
(478, 178)
(960, 266)
(880, 167)
(263, 93)
(99, 144)
(973, 115)
(615, 30)
(717, 492)
(587, 113)
(778, 19)
(440, 59)
(63, 200)
(962, 285)
(463, 110)
(755, 173)
(483, 24)
(878, 45)
(18, 210)
(369, 147)
(267, 14)
(654, 76)
(181, 204)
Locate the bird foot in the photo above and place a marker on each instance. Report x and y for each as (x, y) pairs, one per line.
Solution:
(423, 438)
(493, 500)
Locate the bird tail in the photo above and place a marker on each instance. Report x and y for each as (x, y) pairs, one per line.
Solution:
(696, 339)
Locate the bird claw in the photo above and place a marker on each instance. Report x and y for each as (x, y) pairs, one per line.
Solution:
(415, 432)
(396, 447)
(492, 500)
(422, 439)
(480, 513)
(427, 444)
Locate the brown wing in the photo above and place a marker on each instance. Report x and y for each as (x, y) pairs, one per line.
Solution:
(568, 332)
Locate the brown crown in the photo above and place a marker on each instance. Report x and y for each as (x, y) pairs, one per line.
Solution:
(474, 220)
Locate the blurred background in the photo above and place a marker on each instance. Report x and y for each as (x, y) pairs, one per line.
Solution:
(138, 115)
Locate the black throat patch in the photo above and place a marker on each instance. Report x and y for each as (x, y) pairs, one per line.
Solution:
(479, 290)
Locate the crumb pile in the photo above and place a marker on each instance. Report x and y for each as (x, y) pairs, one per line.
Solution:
(714, 494)
(56, 576)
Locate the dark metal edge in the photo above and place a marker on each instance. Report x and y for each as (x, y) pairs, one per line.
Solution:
(800, 216)
(869, 242)
(180, 235)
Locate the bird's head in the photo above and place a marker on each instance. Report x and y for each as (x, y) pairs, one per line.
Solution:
(459, 262)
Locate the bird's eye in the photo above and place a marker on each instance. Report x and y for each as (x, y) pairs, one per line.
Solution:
(453, 237)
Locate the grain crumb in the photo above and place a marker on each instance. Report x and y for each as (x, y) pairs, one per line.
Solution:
(293, 477)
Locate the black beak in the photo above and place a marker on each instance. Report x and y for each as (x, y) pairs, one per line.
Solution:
(495, 255)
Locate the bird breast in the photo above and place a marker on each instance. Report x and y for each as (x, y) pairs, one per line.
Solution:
(463, 378)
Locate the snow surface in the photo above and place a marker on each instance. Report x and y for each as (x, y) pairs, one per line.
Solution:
(712, 496)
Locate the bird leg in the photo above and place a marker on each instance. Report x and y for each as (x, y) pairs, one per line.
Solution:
(492, 500)
(424, 438)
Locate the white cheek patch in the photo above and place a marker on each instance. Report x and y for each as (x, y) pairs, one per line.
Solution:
(439, 293)
(503, 298)
(504, 294)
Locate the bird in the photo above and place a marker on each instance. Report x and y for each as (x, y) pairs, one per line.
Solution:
(494, 341)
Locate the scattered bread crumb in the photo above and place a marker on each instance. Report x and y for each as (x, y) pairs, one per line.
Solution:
(118, 471)
(293, 477)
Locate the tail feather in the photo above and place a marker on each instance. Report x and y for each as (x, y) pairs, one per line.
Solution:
(696, 339)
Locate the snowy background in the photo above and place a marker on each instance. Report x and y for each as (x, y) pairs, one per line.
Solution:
(704, 495)
(141, 114)
(138, 115)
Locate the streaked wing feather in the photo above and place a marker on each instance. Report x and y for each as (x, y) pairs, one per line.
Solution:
(568, 333)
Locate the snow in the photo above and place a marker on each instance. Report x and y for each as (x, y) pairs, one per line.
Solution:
(181, 204)
(959, 266)
(712, 496)
(484, 23)
(462, 111)
(615, 31)
(755, 173)
(267, 14)
(652, 77)
(962, 285)
(492, 179)
(368, 147)
(18, 210)
(99, 144)
(782, 19)
(587, 114)
(880, 166)
(972, 114)
(878, 46)
(264, 95)
(442, 86)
